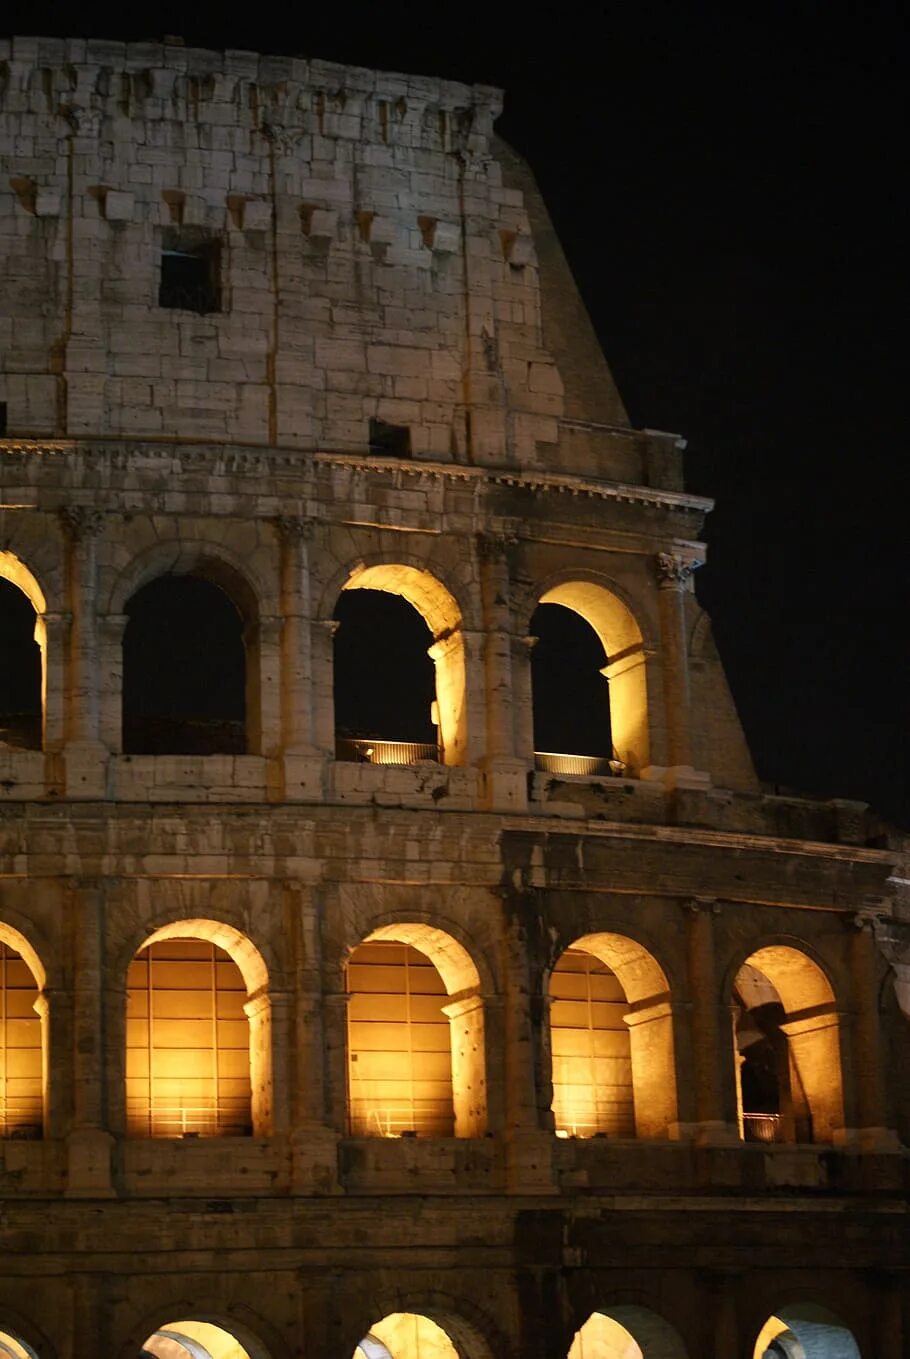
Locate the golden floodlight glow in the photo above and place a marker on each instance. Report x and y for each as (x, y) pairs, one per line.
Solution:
(12, 1346)
(775, 1329)
(194, 1340)
(406, 1335)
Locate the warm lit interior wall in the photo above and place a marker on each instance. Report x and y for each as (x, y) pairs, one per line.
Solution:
(21, 1083)
(409, 1336)
(194, 1340)
(399, 1043)
(627, 1332)
(648, 1017)
(812, 1031)
(592, 1067)
(442, 616)
(808, 1332)
(623, 644)
(187, 1042)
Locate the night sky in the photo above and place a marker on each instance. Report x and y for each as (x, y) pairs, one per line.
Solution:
(727, 185)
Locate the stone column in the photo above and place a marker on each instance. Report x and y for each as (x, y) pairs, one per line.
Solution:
(85, 754)
(674, 582)
(296, 659)
(313, 1141)
(465, 1014)
(89, 1144)
(870, 1102)
(711, 1057)
(506, 775)
(529, 1147)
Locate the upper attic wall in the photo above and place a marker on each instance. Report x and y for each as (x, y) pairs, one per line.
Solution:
(370, 261)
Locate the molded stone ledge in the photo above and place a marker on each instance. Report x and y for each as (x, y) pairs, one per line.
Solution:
(188, 778)
(22, 774)
(27, 1167)
(211, 1166)
(410, 1165)
(426, 784)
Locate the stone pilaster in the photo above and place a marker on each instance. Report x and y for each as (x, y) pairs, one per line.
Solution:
(85, 754)
(89, 1143)
(506, 774)
(674, 582)
(714, 1122)
(870, 1104)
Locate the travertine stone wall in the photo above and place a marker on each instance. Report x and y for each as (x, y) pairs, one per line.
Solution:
(384, 257)
(374, 264)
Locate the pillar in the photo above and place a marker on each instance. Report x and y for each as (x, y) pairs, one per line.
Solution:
(529, 1146)
(85, 754)
(506, 774)
(711, 1056)
(296, 661)
(870, 1101)
(674, 582)
(51, 634)
(89, 1144)
(469, 1086)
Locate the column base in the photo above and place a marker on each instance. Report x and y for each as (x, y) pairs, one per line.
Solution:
(505, 782)
(885, 1141)
(88, 1164)
(314, 1161)
(85, 770)
(529, 1163)
(301, 776)
(716, 1134)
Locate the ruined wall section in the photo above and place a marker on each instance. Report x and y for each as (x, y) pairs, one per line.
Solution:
(372, 264)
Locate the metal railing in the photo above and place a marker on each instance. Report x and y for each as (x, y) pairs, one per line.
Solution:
(762, 1128)
(187, 1120)
(397, 753)
(20, 1116)
(584, 766)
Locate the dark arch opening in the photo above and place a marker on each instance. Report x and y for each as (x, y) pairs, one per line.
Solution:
(184, 670)
(384, 681)
(20, 671)
(571, 694)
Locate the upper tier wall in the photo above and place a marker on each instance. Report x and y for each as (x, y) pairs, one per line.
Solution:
(371, 263)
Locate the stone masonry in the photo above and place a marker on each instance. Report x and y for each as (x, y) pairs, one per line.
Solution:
(384, 263)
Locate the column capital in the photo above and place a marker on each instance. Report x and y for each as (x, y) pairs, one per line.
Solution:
(81, 521)
(294, 528)
(675, 570)
(495, 547)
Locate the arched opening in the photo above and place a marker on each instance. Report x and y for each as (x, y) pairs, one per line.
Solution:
(385, 688)
(611, 1036)
(416, 1065)
(569, 672)
(189, 675)
(399, 679)
(570, 693)
(195, 1339)
(198, 1040)
(407, 1335)
(627, 1332)
(22, 647)
(23, 1016)
(14, 1347)
(805, 1331)
(787, 1049)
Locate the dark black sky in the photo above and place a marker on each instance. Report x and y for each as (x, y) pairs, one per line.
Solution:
(727, 184)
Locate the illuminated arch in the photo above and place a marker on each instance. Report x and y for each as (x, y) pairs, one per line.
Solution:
(805, 1331)
(648, 1019)
(417, 1050)
(24, 1027)
(14, 1347)
(225, 1010)
(621, 637)
(627, 1331)
(434, 1329)
(782, 974)
(14, 570)
(442, 615)
(202, 1337)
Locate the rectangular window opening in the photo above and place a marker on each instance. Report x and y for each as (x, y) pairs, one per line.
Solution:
(190, 272)
(389, 441)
